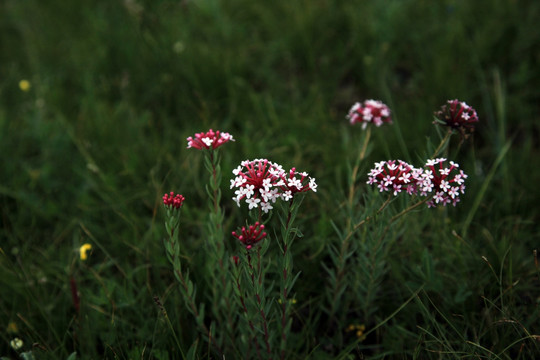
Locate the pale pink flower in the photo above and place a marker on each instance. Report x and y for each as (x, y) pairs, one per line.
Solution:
(371, 111)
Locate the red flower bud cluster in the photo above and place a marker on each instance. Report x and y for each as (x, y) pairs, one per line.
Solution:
(171, 200)
(251, 235)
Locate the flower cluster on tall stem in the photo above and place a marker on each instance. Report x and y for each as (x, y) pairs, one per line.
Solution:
(261, 183)
(370, 111)
(251, 289)
(173, 204)
(216, 263)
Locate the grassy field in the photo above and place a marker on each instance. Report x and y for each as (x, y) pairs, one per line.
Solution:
(97, 100)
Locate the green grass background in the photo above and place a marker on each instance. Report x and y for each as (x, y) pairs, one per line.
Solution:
(117, 86)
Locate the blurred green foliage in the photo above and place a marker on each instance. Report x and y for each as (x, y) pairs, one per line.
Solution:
(116, 87)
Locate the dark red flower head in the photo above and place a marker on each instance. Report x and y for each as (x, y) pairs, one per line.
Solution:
(251, 235)
(171, 200)
(457, 115)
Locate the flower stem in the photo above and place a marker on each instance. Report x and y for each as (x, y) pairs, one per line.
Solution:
(412, 207)
(246, 313)
(256, 275)
(285, 279)
(443, 142)
(172, 247)
(367, 219)
(216, 265)
(168, 320)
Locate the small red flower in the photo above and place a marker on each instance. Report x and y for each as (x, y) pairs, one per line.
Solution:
(171, 200)
(371, 111)
(211, 139)
(457, 115)
(250, 236)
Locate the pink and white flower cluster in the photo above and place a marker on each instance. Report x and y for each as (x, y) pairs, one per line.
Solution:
(395, 176)
(444, 183)
(211, 139)
(260, 183)
(457, 115)
(371, 111)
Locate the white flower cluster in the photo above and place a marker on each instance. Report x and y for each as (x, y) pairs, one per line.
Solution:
(261, 182)
(443, 183)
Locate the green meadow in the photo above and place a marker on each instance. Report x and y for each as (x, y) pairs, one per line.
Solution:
(97, 99)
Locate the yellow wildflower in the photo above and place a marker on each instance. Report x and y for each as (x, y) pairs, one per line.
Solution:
(84, 251)
(12, 328)
(24, 85)
(291, 301)
(359, 330)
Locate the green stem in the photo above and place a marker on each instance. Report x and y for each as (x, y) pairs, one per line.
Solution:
(367, 219)
(443, 142)
(285, 280)
(166, 316)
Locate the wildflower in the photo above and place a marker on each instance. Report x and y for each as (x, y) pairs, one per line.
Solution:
(457, 115)
(83, 251)
(211, 139)
(171, 200)
(257, 182)
(291, 184)
(358, 329)
(394, 176)
(16, 344)
(178, 47)
(371, 111)
(24, 85)
(251, 235)
(12, 328)
(291, 301)
(446, 183)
